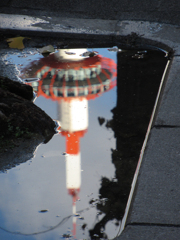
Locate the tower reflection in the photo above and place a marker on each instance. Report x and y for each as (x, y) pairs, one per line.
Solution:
(72, 77)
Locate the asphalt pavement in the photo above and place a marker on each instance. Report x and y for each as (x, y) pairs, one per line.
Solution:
(153, 210)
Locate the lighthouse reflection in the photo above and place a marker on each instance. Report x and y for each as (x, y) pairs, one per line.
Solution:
(72, 77)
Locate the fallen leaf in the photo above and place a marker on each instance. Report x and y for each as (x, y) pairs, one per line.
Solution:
(47, 49)
(16, 42)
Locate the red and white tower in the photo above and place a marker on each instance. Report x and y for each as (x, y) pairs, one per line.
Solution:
(72, 77)
(74, 123)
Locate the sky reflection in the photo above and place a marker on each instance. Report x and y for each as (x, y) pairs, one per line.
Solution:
(40, 183)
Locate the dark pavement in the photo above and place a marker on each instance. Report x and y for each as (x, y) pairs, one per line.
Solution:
(154, 211)
(162, 11)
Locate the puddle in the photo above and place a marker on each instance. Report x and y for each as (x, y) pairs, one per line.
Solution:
(76, 186)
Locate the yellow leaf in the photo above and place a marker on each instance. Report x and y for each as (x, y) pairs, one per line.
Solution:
(16, 42)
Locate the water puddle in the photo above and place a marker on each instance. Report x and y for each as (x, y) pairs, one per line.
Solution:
(76, 186)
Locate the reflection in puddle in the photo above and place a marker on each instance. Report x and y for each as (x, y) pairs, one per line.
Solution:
(65, 81)
(70, 81)
(137, 87)
(72, 77)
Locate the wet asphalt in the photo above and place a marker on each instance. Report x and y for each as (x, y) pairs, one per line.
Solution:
(154, 207)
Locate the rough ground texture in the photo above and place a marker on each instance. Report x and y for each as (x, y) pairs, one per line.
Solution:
(20, 120)
(157, 11)
(19, 115)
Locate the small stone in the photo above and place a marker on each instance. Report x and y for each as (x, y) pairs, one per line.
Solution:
(44, 210)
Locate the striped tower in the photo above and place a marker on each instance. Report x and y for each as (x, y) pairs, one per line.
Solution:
(74, 124)
(72, 77)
